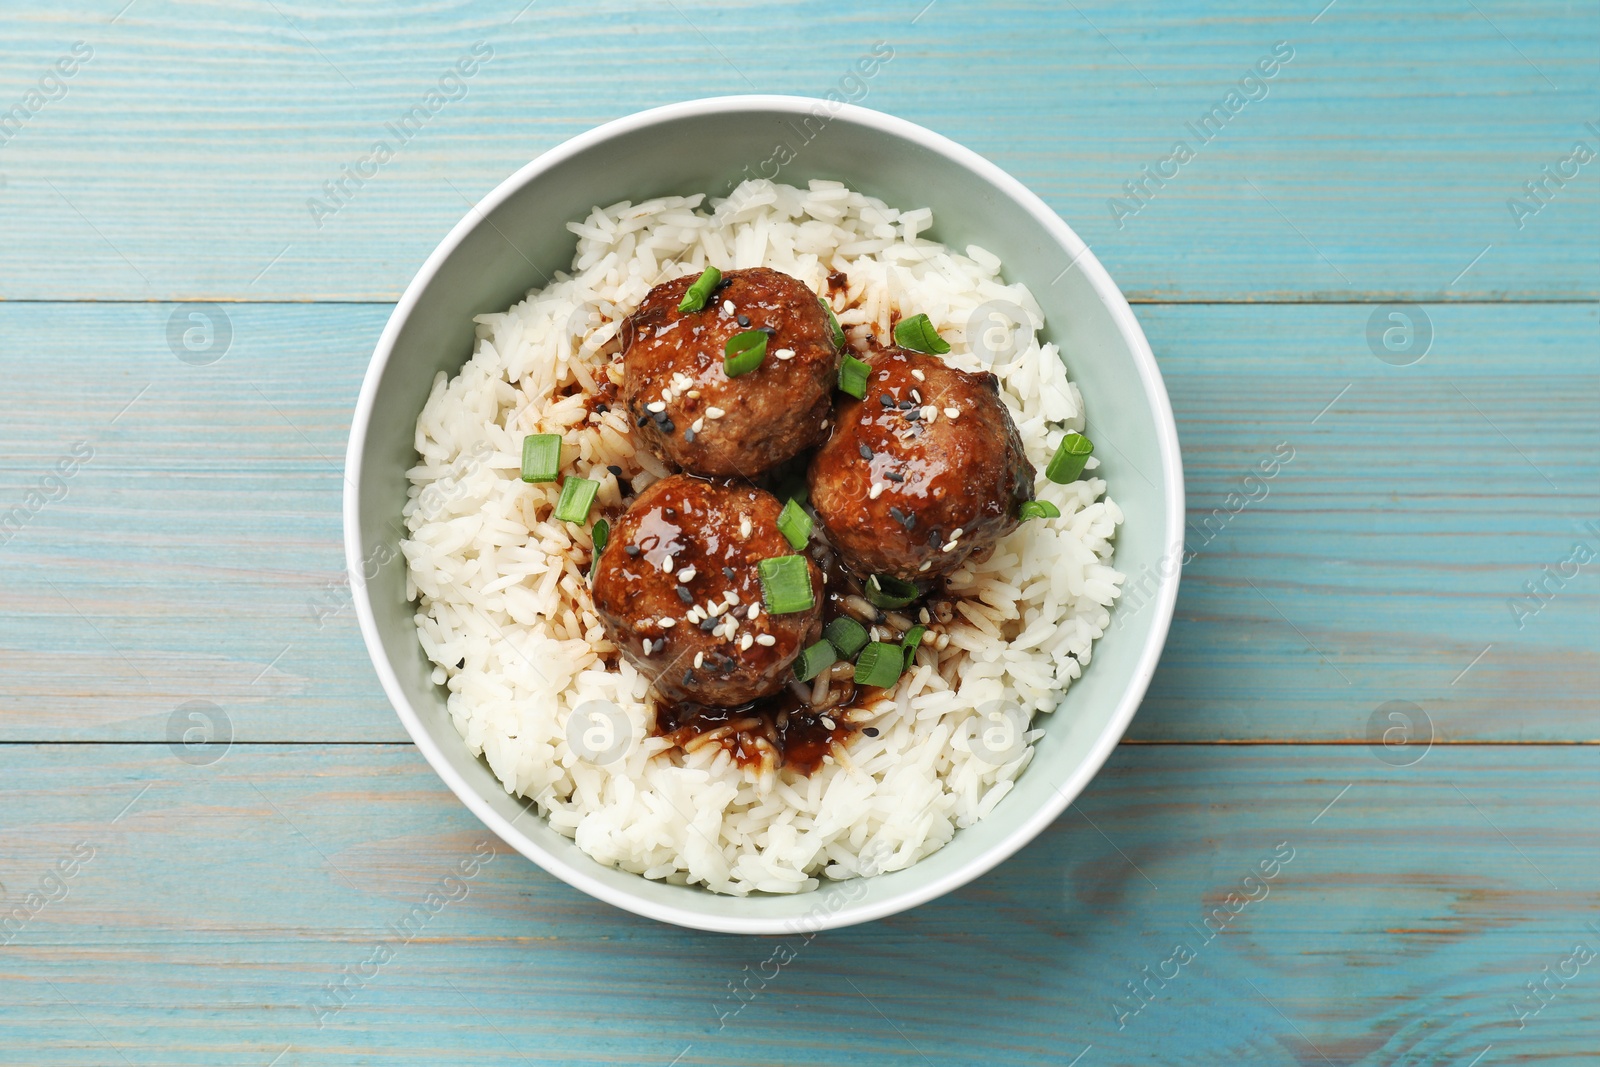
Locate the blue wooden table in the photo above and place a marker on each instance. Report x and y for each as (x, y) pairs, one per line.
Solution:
(1381, 685)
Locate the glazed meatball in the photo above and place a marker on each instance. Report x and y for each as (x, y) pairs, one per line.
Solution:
(678, 591)
(693, 415)
(923, 472)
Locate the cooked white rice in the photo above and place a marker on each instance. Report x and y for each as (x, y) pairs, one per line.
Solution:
(504, 607)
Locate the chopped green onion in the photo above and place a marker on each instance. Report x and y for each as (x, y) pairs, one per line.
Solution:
(1071, 455)
(814, 660)
(853, 375)
(833, 322)
(847, 635)
(879, 665)
(744, 352)
(541, 457)
(600, 533)
(887, 592)
(576, 496)
(912, 642)
(795, 524)
(1038, 509)
(917, 333)
(785, 584)
(700, 291)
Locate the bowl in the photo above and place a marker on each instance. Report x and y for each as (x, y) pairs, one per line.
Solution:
(495, 254)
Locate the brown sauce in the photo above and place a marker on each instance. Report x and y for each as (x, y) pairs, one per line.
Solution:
(798, 733)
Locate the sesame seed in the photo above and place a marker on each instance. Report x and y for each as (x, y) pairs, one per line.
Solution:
(731, 597)
(727, 307)
(666, 426)
(684, 594)
(686, 574)
(745, 642)
(668, 622)
(784, 353)
(643, 420)
(929, 411)
(926, 565)
(688, 435)
(744, 526)
(632, 550)
(894, 476)
(693, 394)
(911, 416)
(649, 647)
(770, 331)
(828, 724)
(694, 615)
(699, 659)
(951, 413)
(708, 624)
(716, 608)
(655, 406)
(949, 546)
(765, 640)
(870, 731)
(919, 376)
(697, 425)
(866, 453)
(667, 565)
(743, 320)
(754, 612)
(727, 572)
(666, 396)
(906, 404)
(876, 491)
(916, 396)
(955, 535)
(886, 400)
(715, 413)
(922, 616)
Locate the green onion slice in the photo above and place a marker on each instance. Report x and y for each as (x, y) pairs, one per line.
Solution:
(785, 584)
(576, 496)
(879, 665)
(744, 352)
(833, 322)
(887, 592)
(912, 642)
(600, 533)
(1071, 455)
(814, 660)
(795, 524)
(1038, 509)
(541, 457)
(853, 375)
(701, 290)
(847, 635)
(917, 333)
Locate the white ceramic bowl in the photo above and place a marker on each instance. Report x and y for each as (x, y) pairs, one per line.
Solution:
(488, 262)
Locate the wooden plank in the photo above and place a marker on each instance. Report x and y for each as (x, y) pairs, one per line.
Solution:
(1380, 161)
(197, 555)
(1406, 911)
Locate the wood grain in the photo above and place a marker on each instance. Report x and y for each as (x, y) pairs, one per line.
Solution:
(1380, 162)
(197, 555)
(1412, 907)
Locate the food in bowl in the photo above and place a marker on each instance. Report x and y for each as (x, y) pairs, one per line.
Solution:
(739, 551)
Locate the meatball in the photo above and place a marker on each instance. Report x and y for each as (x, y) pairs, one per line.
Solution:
(678, 591)
(693, 415)
(923, 472)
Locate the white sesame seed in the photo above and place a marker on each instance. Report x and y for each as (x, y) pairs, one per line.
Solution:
(744, 526)
(655, 405)
(754, 612)
(667, 565)
(951, 413)
(875, 491)
(919, 376)
(666, 395)
(649, 647)
(916, 397)
(715, 609)
(922, 616)
(926, 565)
(731, 597)
(687, 574)
(950, 547)
(745, 642)
(930, 412)
(715, 413)
(693, 394)
(694, 614)
(727, 307)
(784, 353)
(955, 535)
(828, 723)
(668, 622)
(699, 660)
(766, 640)
(697, 425)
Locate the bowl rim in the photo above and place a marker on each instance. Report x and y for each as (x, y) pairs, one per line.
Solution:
(1163, 603)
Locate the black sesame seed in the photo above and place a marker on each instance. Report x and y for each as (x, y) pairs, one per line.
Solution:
(684, 594)
(668, 426)
(602, 408)
(934, 538)
(906, 405)
(632, 550)
(893, 476)
(744, 320)
(644, 420)
(727, 572)
(688, 677)
(886, 400)
(913, 415)
(770, 331)
(614, 469)
(866, 453)
(870, 731)
(708, 624)
(688, 435)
